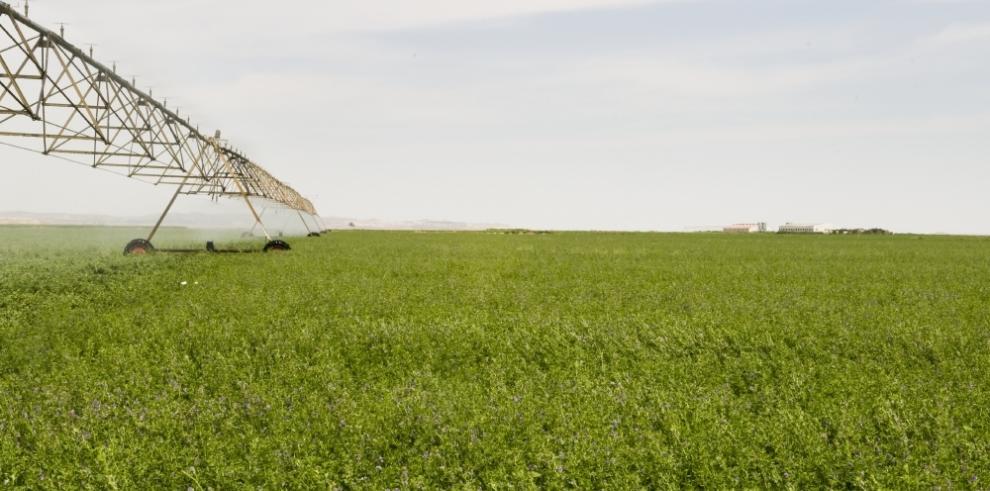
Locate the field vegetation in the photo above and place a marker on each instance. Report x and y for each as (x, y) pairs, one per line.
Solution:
(384, 360)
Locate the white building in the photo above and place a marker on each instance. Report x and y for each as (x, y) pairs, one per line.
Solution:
(745, 228)
(806, 228)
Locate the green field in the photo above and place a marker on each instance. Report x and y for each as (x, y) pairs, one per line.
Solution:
(384, 360)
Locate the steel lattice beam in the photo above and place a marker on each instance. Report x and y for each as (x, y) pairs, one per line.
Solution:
(64, 103)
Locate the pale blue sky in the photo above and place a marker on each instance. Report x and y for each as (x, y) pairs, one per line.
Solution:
(591, 114)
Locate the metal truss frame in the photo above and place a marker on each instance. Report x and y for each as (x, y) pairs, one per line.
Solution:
(69, 105)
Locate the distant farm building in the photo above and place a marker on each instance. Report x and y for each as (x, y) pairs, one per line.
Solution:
(806, 228)
(745, 228)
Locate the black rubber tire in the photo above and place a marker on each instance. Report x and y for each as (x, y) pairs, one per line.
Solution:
(138, 247)
(276, 246)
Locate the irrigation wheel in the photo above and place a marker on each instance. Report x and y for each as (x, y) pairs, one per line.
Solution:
(277, 245)
(138, 247)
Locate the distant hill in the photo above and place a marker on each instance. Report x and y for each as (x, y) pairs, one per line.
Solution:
(376, 224)
(218, 221)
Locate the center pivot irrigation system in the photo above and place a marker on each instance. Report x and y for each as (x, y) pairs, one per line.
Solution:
(68, 105)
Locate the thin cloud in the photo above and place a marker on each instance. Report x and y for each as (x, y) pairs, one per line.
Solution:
(961, 33)
(260, 16)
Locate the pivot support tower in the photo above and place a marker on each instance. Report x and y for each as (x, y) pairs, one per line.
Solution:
(64, 103)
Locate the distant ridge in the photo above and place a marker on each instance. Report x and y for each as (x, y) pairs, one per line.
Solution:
(226, 221)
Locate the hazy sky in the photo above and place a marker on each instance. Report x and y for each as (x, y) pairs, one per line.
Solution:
(604, 114)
